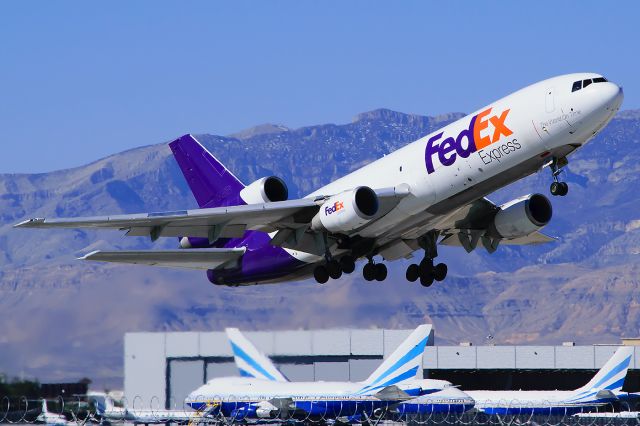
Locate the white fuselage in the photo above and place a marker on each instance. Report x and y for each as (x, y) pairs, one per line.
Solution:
(324, 398)
(252, 389)
(519, 398)
(522, 132)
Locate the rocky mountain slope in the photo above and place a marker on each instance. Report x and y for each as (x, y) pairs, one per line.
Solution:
(64, 319)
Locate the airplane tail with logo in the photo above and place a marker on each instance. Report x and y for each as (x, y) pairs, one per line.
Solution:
(404, 364)
(609, 379)
(211, 183)
(250, 361)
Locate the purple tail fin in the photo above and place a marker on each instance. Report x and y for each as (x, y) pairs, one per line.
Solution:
(211, 183)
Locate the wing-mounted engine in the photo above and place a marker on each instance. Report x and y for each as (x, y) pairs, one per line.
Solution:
(521, 217)
(346, 211)
(517, 222)
(265, 190)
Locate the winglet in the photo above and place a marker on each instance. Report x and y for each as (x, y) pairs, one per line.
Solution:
(250, 361)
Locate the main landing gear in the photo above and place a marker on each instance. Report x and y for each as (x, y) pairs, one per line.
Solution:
(374, 271)
(334, 269)
(426, 271)
(558, 188)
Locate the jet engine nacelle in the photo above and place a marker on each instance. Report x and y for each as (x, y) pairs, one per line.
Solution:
(522, 216)
(265, 413)
(265, 190)
(266, 410)
(346, 211)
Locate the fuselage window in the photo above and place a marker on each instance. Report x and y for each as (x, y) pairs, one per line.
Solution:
(586, 82)
(576, 86)
(599, 80)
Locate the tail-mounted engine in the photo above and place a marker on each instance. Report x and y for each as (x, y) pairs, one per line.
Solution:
(265, 190)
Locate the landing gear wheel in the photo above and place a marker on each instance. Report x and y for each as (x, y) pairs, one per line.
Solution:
(426, 280)
(321, 274)
(440, 272)
(426, 267)
(564, 190)
(381, 271)
(413, 272)
(369, 272)
(559, 188)
(348, 264)
(334, 270)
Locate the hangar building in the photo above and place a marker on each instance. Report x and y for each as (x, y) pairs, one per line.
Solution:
(161, 369)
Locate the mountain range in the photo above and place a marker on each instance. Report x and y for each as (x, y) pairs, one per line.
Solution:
(63, 319)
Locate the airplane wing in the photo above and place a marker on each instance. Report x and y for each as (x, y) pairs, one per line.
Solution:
(229, 222)
(184, 258)
(217, 222)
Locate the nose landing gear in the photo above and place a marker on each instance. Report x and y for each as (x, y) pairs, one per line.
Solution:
(557, 187)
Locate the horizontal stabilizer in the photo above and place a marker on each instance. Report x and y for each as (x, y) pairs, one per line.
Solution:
(185, 258)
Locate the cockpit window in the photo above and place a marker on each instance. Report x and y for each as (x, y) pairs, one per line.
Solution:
(581, 84)
(576, 86)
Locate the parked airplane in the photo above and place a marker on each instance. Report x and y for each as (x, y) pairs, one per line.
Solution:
(109, 413)
(435, 396)
(392, 382)
(429, 191)
(601, 390)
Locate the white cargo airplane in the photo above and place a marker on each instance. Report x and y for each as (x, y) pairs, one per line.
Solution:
(435, 396)
(428, 192)
(605, 387)
(396, 380)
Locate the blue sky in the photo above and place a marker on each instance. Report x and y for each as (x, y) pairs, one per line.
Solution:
(82, 80)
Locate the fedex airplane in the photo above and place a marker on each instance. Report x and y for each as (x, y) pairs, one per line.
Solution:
(435, 396)
(429, 192)
(604, 388)
(265, 393)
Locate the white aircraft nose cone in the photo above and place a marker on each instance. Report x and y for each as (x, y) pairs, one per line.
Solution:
(612, 94)
(619, 97)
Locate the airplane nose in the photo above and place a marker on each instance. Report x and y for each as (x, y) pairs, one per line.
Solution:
(619, 97)
(614, 95)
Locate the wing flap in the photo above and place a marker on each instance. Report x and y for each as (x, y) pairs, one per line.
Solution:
(184, 258)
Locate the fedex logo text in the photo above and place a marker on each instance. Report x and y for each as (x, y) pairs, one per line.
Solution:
(337, 206)
(476, 137)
